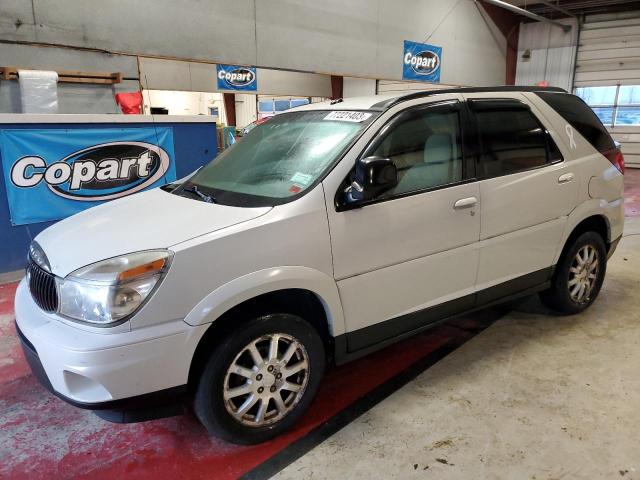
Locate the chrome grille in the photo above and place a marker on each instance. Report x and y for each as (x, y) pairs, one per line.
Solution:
(42, 285)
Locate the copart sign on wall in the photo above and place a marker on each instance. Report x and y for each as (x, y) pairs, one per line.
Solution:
(234, 77)
(54, 173)
(421, 62)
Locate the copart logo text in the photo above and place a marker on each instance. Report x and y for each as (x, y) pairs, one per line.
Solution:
(101, 172)
(238, 77)
(423, 63)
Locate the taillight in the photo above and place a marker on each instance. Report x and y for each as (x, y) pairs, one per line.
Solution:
(616, 158)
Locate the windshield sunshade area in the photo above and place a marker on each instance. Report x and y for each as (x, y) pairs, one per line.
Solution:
(279, 159)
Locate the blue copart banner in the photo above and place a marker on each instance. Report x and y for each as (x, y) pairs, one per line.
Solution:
(52, 174)
(421, 62)
(235, 77)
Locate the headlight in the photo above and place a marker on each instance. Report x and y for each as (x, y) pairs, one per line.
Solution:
(109, 291)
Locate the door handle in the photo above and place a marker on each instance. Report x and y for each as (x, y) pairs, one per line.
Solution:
(465, 203)
(565, 178)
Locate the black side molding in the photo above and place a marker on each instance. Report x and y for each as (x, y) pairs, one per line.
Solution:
(373, 334)
(512, 287)
(359, 343)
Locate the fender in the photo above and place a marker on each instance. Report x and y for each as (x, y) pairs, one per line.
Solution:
(257, 283)
(612, 212)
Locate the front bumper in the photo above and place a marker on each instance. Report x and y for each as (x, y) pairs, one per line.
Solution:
(100, 370)
(125, 410)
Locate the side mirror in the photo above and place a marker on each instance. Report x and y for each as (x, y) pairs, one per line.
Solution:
(373, 176)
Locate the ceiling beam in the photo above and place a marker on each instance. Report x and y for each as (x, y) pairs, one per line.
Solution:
(527, 13)
(558, 8)
(580, 7)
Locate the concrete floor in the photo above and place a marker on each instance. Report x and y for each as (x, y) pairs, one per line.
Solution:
(535, 396)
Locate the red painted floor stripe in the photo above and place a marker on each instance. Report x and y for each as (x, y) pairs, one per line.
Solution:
(7, 292)
(12, 364)
(42, 437)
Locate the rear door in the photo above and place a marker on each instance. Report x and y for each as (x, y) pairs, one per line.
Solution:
(527, 190)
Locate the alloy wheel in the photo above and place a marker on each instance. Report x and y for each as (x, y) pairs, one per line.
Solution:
(583, 274)
(266, 380)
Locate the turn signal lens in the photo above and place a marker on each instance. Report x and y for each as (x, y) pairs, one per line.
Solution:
(147, 268)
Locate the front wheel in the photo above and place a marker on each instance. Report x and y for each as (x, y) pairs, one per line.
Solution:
(261, 379)
(578, 276)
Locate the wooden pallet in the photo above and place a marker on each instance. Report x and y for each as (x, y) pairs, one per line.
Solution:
(70, 76)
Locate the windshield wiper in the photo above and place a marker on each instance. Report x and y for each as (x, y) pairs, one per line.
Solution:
(203, 196)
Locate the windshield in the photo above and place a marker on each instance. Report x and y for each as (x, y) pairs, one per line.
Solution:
(278, 159)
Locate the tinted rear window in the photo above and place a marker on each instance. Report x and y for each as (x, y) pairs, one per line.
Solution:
(581, 117)
(512, 139)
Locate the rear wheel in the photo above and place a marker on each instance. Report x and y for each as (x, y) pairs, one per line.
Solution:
(578, 276)
(261, 379)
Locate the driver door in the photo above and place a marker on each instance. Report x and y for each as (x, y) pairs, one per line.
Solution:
(410, 257)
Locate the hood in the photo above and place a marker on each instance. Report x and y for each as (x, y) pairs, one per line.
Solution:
(144, 221)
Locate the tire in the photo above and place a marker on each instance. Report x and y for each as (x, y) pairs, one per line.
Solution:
(260, 380)
(565, 294)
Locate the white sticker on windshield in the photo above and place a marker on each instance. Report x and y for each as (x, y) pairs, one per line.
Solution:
(302, 178)
(348, 116)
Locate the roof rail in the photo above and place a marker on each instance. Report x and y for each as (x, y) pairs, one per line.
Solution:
(386, 104)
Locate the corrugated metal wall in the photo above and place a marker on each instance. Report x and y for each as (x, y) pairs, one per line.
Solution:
(609, 54)
(629, 137)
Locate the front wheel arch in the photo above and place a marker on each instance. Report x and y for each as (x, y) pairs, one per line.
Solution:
(299, 302)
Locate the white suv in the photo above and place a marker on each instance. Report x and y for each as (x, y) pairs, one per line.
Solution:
(328, 232)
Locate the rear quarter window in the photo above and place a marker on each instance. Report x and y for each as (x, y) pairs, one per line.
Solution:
(512, 138)
(575, 111)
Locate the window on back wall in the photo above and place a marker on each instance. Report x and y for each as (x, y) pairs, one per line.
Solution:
(273, 105)
(616, 106)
